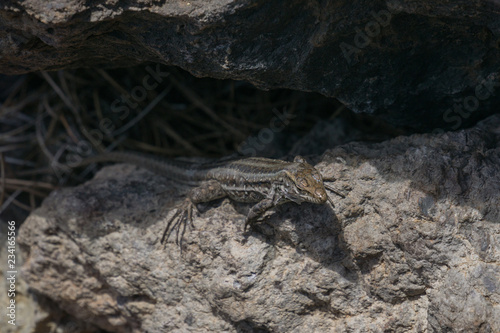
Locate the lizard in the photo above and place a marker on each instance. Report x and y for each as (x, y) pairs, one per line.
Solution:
(262, 181)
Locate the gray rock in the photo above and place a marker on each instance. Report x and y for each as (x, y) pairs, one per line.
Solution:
(413, 247)
(414, 63)
(30, 312)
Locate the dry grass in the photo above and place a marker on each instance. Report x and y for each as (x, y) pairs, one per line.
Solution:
(49, 120)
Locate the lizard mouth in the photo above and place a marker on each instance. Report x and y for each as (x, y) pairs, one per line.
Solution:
(315, 200)
(318, 196)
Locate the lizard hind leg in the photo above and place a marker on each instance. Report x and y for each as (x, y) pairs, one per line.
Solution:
(205, 192)
(180, 220)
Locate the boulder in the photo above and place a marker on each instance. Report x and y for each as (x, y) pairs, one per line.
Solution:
(413, 247)
(415, 63)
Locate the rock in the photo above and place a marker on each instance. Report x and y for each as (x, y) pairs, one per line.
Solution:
(29, 312)
(415, 63)
(413, 247)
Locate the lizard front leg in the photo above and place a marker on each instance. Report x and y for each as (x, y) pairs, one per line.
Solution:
(205, 192)
(258, 210)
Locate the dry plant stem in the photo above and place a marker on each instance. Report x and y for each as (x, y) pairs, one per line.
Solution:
(97, 105)
(174, 135)
(2, 178)
(196, 100)
(8, 148)
(29, 183)
(193, 126)
(68, 102)
(33, 201)
(139, 145)
(5, 108)
(7, 136)
(21, 205)
(113, 82)
(143, 113)
(9, 200)
(204, 137)
(68, 128)
(26, 189)
(41, 139)
(338, 111)
(53, 121)
(59, 92)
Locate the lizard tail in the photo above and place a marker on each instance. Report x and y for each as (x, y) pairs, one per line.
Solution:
(181, 171)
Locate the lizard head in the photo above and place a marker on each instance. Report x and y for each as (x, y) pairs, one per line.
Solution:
(308, 183)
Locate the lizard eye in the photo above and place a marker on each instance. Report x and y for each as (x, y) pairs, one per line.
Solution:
(302, 182)
(299, 159)
(316, 177)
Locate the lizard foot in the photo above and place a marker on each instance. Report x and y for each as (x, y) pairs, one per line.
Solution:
(248, 224)
(331, 189)
(180, 220)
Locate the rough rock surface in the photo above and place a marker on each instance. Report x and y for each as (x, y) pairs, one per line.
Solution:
(413, 247)
(418, 63)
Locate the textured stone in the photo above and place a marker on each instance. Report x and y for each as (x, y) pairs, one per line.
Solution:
(413, 247)
(416, 63)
